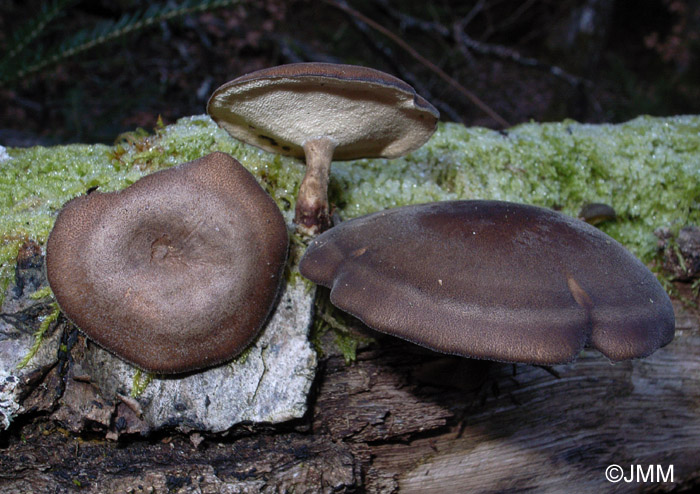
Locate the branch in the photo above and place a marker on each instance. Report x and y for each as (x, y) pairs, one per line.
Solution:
(388, 55)
(342, 5)
(505, 53)
(466, 43)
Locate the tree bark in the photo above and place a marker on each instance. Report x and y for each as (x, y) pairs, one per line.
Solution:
(404, 419)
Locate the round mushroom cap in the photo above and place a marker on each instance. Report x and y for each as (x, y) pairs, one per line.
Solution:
(493, 280)
(365, 112)
(178, 271)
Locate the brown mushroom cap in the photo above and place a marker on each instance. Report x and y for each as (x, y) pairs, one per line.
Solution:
(177, 272)
(596, 212)
(323, 112)
(366, 112)
(493, 280)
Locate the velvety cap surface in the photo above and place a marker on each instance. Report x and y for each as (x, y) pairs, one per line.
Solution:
(493, 280)
(177, 272)
(367, 113)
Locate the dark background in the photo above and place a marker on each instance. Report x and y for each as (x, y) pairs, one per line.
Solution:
(541, 60)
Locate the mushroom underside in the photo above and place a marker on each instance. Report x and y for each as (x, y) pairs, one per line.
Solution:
(323, 112)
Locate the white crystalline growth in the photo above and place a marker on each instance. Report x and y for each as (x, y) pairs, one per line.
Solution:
(3, 154)
(9, 403)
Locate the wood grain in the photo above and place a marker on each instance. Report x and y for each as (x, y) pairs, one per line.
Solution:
(404, 419)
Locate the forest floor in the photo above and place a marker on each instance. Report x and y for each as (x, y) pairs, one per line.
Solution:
(523, 61)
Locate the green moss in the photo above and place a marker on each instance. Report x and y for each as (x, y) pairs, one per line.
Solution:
(347, 346)
(41, 293)
(140, 382)
(39, 335)
(328, 318)
(648, 169)
(242, 358)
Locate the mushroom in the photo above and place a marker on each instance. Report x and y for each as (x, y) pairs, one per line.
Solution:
(492, 280)
(178, 271)
(596, 212)
(323, 112)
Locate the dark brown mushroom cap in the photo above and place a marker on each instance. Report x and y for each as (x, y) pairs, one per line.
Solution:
(365, 112)
(492, 280)
(596, 212)
(177, 272)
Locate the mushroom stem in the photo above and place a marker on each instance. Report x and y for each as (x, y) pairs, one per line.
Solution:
(312, 215)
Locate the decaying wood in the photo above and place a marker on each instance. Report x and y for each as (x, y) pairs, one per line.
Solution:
(403, 419)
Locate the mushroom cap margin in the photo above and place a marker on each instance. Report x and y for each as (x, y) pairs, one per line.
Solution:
(368, 113)
(178, 271)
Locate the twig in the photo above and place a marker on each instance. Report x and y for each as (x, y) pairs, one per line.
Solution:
(293, 50)
(505, 53)
(342, 5)
(515, 16)
(466, 43)
(388, 55)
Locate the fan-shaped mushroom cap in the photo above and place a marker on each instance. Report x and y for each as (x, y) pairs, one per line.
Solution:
(366, 112)
(492, 280)
(324, 112)
(174, 273)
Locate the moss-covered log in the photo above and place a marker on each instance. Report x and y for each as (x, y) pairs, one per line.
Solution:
(647, 169)
(398, 418)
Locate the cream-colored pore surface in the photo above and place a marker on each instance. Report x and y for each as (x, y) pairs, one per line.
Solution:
(371, 120)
